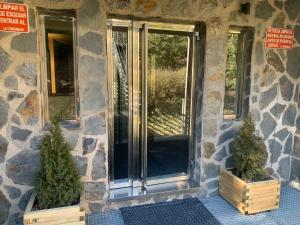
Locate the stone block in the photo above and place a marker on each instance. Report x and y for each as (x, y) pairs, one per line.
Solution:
(15, 119)
(175, 8)
(295, 175)
(36, 142)
(3, 148)
(3, 112)
(146, 6)
(288, 147)
(89, 15)
(259, 53)
(286, 88)
(23, 167)
(93, 99)
(4, 208)
(94, 191)
(29, 109)
(267, 125)
(5, 61)
(274, 60)
(25, 199)
(292, 8)
(96, 207)
(275, 149)
(118, 4)
(227, 135)
(11, 82)
(289, 116)
(220, 155)
(268, 96)
(264, 10)
(209, 128)
(95, 125)
(209, 149)
(213, 103)
(284, 168)
(292, 64)
(27, 71)
(211, 170)
(88, 145)
(296, 151)
(99, 171)
(82, 164)
(26, 43)
(13, 94)
(268, 76)
(91, 70)
(20, 134)
(92, 41)
(282, 134)
(279, 21)
(13, 192)
(277, 110)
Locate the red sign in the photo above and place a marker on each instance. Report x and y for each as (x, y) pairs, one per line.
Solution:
(13, 17)
(279, 38)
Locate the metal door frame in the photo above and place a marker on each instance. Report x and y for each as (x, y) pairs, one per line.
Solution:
(137, 159)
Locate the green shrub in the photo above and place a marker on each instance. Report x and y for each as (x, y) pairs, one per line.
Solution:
(250, 154)
(58, 183)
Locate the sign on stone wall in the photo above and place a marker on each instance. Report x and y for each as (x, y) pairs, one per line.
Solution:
(279, 38)
(13, 17)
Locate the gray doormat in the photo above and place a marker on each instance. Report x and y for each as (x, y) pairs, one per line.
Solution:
(178, 212)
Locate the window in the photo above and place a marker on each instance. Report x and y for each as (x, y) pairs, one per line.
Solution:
(237, 78)
(61, 80)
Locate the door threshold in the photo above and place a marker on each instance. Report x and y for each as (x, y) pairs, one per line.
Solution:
(166, 189)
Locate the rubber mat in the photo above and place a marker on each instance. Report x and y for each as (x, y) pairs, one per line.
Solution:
(178, 212)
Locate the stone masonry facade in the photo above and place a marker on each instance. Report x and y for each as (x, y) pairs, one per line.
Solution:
(273, 95)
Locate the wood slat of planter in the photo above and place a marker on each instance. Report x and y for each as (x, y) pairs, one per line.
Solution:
(234, 181)
(238, 192)
(71, 215)
(249, 198)
(237, 203)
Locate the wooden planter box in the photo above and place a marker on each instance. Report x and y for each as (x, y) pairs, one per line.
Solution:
(249, 198)
(71, 215)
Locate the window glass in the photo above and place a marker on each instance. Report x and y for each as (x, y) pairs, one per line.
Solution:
(60, 67)
(230, 103)
(237, 79)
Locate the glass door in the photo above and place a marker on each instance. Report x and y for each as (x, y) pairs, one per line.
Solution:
(168, 105)
(150, 91)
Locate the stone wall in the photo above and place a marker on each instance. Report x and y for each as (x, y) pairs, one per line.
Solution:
(273, 100)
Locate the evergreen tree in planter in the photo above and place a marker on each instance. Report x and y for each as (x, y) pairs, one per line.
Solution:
(58, 183)
(247, 187)
(250, 154)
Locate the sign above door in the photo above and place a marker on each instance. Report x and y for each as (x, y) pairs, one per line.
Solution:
(14, 17)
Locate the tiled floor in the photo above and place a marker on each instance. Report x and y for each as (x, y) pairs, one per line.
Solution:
(288, 214)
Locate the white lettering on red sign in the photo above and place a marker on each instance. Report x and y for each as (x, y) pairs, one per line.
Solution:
(279, 38)
(14, 17)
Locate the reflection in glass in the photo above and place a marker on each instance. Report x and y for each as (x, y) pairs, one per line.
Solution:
(60, 66)
(120, 92)
(230, 104)
(168, 103)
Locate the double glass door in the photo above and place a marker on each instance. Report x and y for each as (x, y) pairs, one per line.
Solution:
(150, 108)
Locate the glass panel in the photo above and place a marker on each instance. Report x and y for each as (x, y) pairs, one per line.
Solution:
(230, 104)
(120, 98)
(60, 61)
(168, 96)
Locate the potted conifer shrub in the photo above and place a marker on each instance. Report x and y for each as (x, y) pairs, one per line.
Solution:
(248, 187)
(57, 191)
